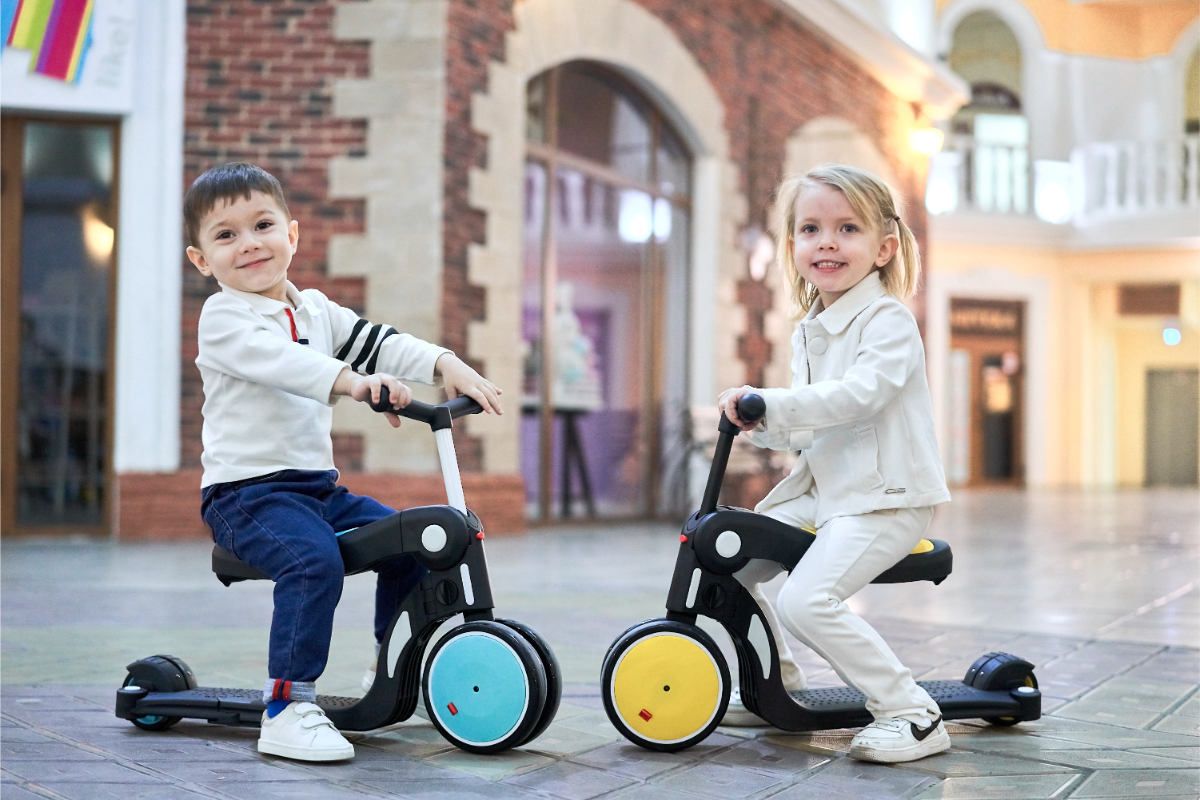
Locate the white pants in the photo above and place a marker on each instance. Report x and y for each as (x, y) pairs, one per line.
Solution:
(848, 554)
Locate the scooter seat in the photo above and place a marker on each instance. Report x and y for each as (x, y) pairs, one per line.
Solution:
(930, 560)
(230, 569)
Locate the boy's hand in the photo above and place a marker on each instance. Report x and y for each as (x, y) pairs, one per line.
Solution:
(728, 401)
(365, 388)
(459, 379)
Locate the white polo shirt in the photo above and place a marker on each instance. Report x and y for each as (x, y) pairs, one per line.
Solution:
(267, 403)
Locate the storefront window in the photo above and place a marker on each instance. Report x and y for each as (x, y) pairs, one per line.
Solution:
(605, 286)
(59, 437)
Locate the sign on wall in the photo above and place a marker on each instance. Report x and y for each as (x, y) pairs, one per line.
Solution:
(57, 33)
(68, 55)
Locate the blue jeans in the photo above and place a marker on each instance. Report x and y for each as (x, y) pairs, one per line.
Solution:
(286, 525)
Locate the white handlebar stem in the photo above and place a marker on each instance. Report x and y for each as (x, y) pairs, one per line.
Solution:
(449, 460)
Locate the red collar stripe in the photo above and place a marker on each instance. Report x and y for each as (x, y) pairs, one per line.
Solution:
(291, 319)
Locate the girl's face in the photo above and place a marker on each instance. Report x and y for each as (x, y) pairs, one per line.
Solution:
(833, 248)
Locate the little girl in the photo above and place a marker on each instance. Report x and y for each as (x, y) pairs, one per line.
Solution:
(869, 470)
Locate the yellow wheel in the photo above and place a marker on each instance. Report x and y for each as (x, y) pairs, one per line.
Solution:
(665, 685)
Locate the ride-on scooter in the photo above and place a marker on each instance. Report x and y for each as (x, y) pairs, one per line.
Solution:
(488, 684)
(666, 685)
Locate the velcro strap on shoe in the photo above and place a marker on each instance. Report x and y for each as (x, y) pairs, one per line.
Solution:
(311, 715)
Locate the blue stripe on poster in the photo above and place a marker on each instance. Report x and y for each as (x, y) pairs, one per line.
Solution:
(8, 9)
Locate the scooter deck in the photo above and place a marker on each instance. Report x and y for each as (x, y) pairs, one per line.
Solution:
(218, 705)
(843, 707)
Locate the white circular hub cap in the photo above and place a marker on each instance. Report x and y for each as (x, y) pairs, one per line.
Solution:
(433, 538)
(729, 544)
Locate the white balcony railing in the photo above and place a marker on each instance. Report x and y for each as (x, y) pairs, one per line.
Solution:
(1127, 178)
(1103, 180)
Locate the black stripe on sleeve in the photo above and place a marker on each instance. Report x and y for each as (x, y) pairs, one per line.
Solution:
(370, 368)
(367, 347)
(345, 351)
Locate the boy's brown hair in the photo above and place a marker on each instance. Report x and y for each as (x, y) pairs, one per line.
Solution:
(224, 183)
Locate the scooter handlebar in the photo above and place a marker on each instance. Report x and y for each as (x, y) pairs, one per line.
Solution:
(751, 408)
(436, 417)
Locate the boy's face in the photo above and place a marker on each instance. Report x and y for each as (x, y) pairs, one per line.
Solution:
(247, 244)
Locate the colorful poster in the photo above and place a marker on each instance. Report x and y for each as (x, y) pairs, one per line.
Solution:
(56, 32)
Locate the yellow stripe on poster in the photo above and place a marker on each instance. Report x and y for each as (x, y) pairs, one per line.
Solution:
(80, 41)
(29, 28)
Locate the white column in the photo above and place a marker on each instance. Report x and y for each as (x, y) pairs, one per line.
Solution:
(150, 247)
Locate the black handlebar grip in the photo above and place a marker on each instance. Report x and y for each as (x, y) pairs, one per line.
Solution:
(437, 417)
(751, 408)
(385, 401)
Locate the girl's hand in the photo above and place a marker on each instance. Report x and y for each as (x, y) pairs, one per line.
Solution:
(365, 388)
(728, 401)
(459, 379)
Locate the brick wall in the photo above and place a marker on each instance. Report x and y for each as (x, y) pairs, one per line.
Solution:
(259, 88)
(476, 30)
(773, 75)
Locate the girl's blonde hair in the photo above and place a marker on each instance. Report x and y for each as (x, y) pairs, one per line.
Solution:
(875, 204)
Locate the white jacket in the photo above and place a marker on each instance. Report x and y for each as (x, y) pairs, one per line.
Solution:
(267, 403)
(858, 410)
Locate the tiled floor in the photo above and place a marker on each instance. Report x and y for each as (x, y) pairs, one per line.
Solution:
(1098, 589)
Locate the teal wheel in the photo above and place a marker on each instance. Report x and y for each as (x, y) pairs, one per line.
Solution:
(485, 687)
(152, 722)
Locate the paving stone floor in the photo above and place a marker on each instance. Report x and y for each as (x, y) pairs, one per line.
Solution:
(1099, 590)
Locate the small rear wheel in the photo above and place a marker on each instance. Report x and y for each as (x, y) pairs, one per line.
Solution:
(485, 687)
(665, 685)
(159, 674)
(1001, 672)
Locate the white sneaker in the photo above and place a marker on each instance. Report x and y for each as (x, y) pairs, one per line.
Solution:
(368, 680)
(892, 740)
(303, 732)
(736, 715)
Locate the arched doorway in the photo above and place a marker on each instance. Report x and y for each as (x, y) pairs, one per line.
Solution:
(604, 299)
(991, 133)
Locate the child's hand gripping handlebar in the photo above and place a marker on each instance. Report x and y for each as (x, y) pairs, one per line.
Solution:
(751, 408)
(436, 417)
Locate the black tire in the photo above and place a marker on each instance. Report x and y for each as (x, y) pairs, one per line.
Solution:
(553, 676)
(1001, 672)
(662, 652)
(159, 674)
(497, 662)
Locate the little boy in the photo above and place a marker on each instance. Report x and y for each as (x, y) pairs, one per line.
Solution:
(274, 361)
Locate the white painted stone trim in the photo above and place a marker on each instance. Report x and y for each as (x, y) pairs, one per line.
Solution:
(150, 248)
(401, 179)
(638, 44)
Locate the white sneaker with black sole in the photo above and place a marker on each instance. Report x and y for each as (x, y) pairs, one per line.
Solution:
(303, 732)
(892, 741)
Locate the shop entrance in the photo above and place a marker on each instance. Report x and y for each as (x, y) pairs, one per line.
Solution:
(987, 390)
(59, 216)
(1172, 427)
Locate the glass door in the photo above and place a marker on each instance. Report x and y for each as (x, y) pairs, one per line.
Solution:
(605, 300)
(59, 218)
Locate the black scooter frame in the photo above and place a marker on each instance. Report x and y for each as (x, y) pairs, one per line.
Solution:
(998, 687)
(161, 689)
(457, 583)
